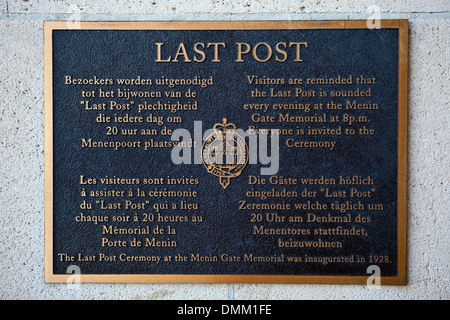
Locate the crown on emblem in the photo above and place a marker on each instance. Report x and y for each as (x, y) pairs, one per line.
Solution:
(225, 153)
(224, 127)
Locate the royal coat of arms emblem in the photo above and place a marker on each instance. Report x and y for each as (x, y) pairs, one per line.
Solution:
(225, 153)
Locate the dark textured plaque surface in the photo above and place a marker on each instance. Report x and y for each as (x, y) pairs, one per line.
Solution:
(226, 229)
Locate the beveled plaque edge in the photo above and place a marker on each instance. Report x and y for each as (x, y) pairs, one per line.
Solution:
(401, 24)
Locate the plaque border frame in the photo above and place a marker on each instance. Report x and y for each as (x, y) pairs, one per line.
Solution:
(400, 279)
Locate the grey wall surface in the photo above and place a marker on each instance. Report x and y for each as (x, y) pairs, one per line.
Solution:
(22, 143)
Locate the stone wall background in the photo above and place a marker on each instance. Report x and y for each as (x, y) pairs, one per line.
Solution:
(22, 143)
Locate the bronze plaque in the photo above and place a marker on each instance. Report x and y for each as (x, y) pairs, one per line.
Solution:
(226, 152)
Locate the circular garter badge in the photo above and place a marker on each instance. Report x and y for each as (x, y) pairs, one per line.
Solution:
(225, 153)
